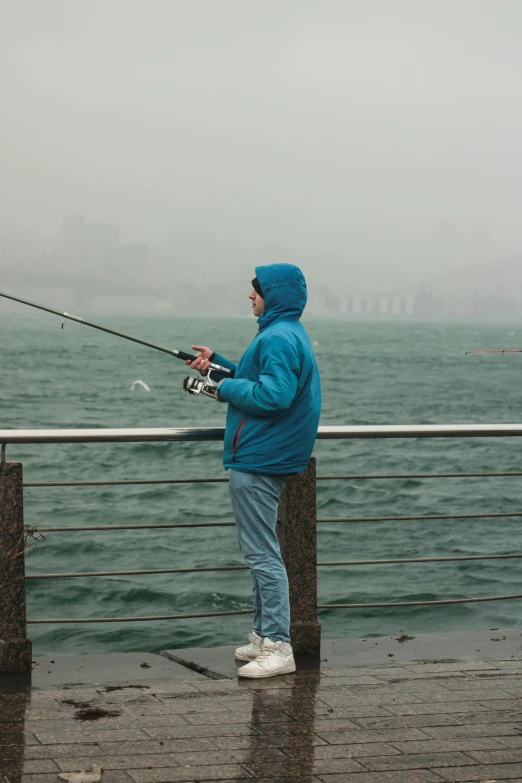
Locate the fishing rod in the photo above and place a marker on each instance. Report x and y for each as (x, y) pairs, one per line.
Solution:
(496, 350)
(191, 385)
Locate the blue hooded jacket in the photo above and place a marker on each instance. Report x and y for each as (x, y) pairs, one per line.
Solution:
(275, 396)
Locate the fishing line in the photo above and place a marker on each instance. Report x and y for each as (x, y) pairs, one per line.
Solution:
(119, 356)
(88, 340)
(226, 371)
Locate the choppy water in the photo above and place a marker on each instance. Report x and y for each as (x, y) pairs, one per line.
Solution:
(371, 374)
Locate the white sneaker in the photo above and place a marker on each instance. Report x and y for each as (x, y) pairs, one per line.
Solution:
(250, 651)
(275, 658)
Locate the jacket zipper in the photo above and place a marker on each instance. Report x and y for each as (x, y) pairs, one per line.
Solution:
(237, 435)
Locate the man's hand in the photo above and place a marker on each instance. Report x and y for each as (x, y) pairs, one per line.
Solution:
(202, 360)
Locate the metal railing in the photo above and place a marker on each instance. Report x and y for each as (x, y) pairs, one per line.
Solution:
(297, 529)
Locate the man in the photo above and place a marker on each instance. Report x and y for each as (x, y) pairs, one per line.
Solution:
(274, 402)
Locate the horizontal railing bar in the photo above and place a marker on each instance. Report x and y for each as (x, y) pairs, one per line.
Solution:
(421, 518)
(137, 573)
(379, 476)
(124, 482)
(169, 525)
(139, 619)
(354, 477)
(140, 435)
(419, 560)
(251, 611)
(134, 527)
(420, 603)
(245, 567)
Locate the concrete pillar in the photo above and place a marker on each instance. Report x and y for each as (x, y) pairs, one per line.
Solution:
(298, 541)
(15, 648)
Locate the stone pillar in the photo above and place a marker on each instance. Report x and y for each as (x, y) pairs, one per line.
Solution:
(297, 537)
(15, 648)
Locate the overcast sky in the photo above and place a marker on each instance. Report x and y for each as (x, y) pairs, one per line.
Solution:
(382, 132)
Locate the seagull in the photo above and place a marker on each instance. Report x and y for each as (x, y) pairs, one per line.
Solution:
(139, 383)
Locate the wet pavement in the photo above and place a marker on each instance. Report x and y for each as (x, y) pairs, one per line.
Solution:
(400, 721)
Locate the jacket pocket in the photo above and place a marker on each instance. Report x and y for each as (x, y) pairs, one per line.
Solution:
(237, 435)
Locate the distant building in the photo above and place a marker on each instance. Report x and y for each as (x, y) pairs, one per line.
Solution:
(73, 233)
(102, 238)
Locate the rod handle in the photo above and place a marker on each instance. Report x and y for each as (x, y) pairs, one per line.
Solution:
(216, 367)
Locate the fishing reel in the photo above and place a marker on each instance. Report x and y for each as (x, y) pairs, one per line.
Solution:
(204, 386)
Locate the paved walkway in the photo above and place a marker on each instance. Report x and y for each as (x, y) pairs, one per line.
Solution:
(410, 722)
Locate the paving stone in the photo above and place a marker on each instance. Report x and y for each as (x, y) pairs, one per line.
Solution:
(349, 680)
(356, 711)
(377, 671)
(509, 716)
(118, 762)
(494, 706)
(383, 696)
(77, 735)
(302, 766)
(148, 746)
(448, 745)
(505, 756)
(343, 751)
(206, 719)
(440, 677)
(457, 666)
(110, 723)
(482, 773)
(404, 776)
(500, 680)
(288, 728)
(342, 737)
(409, 721)
(222, 772)
(285, 779)
(476, 730)
(40, 765)
(53, 751)
(196, 706)
(170, 686)
(256, 756)
(30, 778)
(269, 741)
(438, 707)
(333, 724)
(416, 685)
(510, 742)
(113, 776)
(418, 761)
(45, 714)
(191, 732)
(239, 686)
(169, 760)
(512, 663)
(495, 694)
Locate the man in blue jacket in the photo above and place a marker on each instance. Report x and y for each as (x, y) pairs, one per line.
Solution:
(274, 402)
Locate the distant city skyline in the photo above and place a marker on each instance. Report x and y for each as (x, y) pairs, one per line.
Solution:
(88, 267)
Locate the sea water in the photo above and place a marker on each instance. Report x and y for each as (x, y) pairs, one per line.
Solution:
(372, 373)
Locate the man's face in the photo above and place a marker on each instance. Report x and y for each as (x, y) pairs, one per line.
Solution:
(258, 303)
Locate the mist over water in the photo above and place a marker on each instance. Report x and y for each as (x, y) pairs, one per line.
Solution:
(154, 153)
(371, 374)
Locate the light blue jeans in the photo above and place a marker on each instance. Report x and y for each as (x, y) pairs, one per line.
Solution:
(255, 499)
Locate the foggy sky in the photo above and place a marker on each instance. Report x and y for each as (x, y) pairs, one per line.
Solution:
(378, 134)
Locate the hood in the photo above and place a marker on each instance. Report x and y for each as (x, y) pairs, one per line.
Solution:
(284, 292)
